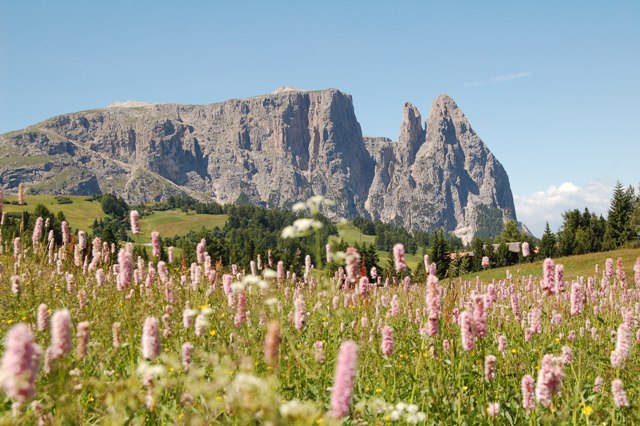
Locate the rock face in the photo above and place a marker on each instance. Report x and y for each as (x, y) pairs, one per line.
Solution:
(270, 150)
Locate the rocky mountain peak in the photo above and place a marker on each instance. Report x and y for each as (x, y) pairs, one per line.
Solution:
(271, 150)
(411, 133)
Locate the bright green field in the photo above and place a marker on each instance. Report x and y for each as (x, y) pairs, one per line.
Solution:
(582, 265)
(80, 213)
(175, 222)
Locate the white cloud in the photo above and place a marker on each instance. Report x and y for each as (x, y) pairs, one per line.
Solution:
(537, 208)
(514, 76)
(499, 79)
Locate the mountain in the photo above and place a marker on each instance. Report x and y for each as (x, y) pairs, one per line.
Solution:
(270, 150)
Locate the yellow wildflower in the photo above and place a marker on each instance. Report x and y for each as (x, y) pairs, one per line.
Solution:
(587, 410)
(212, 333)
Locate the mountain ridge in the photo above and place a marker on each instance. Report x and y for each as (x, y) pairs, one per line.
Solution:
(271, 150)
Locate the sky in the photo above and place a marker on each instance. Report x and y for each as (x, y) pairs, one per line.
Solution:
(552, 88)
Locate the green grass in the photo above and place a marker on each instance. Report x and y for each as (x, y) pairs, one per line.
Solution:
(175, 222)
(582, 265)
(80, 213)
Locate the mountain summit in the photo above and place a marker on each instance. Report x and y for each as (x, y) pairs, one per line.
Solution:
(270, 150)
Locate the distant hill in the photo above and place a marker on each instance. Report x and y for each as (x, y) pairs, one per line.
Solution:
(271, 150)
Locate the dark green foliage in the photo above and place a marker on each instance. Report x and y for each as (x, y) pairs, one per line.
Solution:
(186, 203)
(252, 230)
(548, 243)
(109, 229)
(63, 200)
(619, 221)
(114, 206)
(439, 253)
(113, 228)
(22, 224)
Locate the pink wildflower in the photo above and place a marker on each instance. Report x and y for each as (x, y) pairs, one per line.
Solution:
(300, 313)
(43, 317)
(352, 264)
(134, 218)
(186, 352)
(525, 249)
(493, 409)
(608, 267)
(489, 368)
(549, 381)
(485, 262)
(619, 395)
(60, 333)
(387, 340)
(155, 243)
(398, 257)
(150, 338)
(318, 349)
(344, 378)
(20, 364)
(467, 330)
(528, 402)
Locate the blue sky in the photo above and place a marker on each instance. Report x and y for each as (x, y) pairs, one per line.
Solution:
(553, 88)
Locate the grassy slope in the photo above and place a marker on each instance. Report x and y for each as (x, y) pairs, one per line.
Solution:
(80, 214)
(582, 265)
(175, 222)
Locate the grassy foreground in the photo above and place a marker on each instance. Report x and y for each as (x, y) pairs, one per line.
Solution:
(410, 368)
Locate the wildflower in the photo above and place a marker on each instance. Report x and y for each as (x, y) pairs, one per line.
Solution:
(186, 352)
(527, 393)
(485, 262)
(155, 243)
(608, 267)
(576, 299)
(597, 385)
(619, 395)
(125, 269)
(548, 276)
(489, 368)
(201, 251)
(200, 325)
(398, 257)
(150, 338)
(467, 330)
(272, 343)
(549, 381)
(387, 340)
(43, 317)
(502, 343)
(493, 409)
(352, 264)
(60, 333)
(587, 410)
(623, 346)
(20, 364)
(479, 316)
(525, 249)
(300, 313)
(344, 378)
(83, 339)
